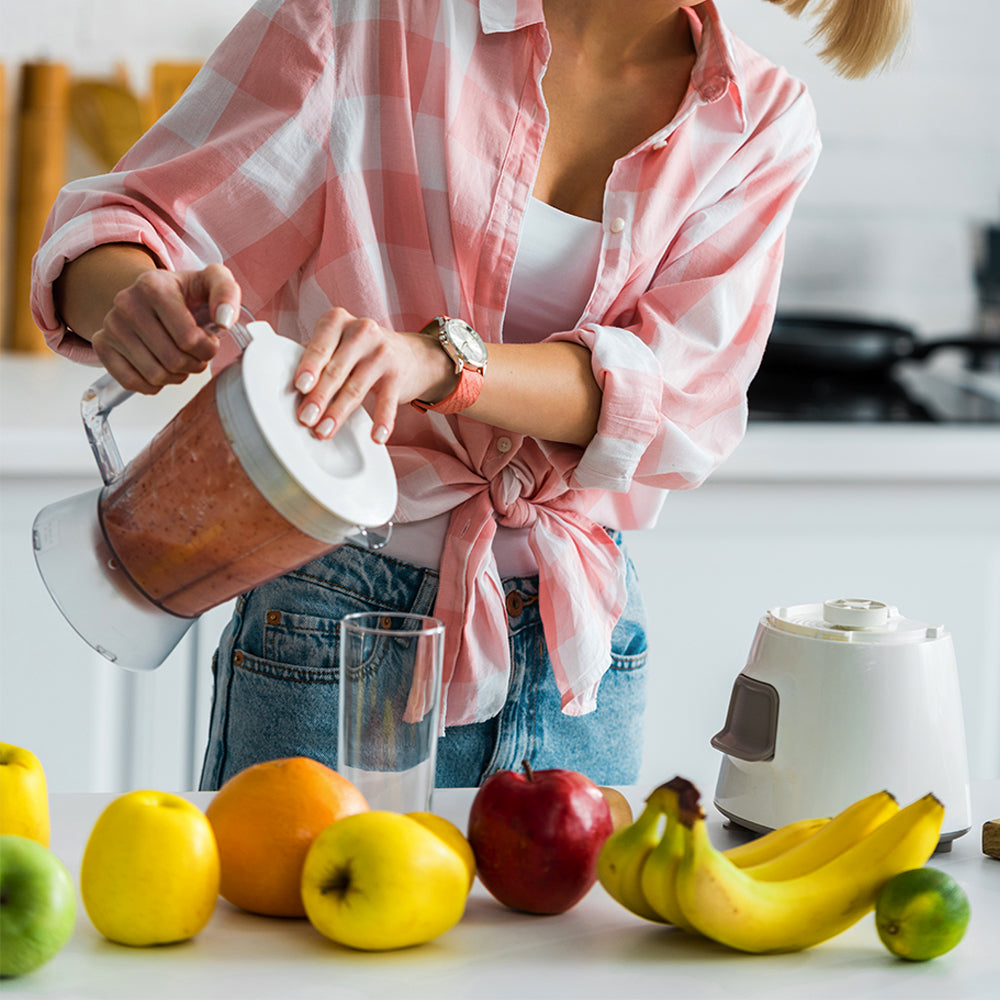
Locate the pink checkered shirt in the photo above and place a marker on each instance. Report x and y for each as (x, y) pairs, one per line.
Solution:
(379, 155)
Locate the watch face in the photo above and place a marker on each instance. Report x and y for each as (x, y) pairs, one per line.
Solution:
(467, 342)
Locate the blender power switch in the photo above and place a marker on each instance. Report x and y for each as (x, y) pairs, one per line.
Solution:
(751, 722)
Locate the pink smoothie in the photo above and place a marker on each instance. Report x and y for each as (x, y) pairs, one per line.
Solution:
(189, 526)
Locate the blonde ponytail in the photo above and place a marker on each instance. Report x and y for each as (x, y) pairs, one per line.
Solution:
(857, 37)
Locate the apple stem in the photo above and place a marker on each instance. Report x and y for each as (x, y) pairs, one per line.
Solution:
(527, 770)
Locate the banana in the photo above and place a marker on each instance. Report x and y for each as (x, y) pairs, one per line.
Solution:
(775, 843)
(727, 904)
(845, 829)
(658, 879)
(621, 859)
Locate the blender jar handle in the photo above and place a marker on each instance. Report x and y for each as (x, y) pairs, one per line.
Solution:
(102, 396)
(98, 401)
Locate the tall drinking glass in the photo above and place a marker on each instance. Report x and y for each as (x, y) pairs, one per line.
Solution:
(390, 696)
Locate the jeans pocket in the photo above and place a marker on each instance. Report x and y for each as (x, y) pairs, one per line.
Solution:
(628, 639)
(282, 694)
(634, 662)
(300, 646)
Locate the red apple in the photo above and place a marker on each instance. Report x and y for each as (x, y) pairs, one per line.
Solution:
(536, 837)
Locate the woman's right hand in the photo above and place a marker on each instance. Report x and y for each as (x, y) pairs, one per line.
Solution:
(149, 337)
(138, 316)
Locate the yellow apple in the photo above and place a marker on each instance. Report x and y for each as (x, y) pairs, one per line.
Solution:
(150, 870)
(452, 836)
(381, 880)
(621, 811)
(24, 797)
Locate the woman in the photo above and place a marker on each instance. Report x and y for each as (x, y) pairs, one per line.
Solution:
(597, 191)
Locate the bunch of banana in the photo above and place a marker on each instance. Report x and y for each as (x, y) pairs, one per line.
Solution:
(788, 890)
(638, 863)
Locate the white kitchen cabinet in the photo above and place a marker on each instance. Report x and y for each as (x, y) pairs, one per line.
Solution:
(905, 514)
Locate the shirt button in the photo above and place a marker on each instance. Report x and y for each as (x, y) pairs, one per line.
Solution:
(660, 144)
(713, 89)
(504, 444)
(617, 225)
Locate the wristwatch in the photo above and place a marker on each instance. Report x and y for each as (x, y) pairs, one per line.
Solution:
(468, 351)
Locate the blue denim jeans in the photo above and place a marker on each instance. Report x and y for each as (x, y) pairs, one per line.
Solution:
(277, 678)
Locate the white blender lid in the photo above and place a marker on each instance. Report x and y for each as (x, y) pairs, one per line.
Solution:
(856, 620)
(348, 475)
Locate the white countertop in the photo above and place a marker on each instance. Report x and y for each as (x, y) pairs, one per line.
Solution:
(41, 434)
(596, 950)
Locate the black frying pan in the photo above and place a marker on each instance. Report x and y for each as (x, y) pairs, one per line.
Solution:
(822, 342)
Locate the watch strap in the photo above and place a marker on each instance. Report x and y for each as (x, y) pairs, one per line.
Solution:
(470, 378)
(470, 384)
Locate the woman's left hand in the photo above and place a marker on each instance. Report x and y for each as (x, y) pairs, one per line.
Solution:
(349, 359)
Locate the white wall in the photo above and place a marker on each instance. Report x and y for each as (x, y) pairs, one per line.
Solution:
(911, 161)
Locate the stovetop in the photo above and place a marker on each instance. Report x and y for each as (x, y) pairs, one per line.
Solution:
(910, 393)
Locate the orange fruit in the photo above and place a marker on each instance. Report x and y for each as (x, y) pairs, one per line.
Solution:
(265, 819)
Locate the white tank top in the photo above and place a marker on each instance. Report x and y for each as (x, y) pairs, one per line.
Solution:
(555, 251)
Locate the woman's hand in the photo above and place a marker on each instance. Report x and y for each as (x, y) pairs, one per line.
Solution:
(149, 337)
(138, 316)
(349, 358)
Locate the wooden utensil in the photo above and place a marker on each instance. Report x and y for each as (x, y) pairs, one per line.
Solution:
(41, 169)
(991, 838)
(5, 229)
(107, 116)
(169, 81)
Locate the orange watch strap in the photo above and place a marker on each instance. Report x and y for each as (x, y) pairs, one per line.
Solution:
(470, 384)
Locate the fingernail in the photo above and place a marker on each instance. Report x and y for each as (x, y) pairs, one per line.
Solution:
(225, 315)
(305, 381)
(325, 429)
(381, 434)
(309, 414)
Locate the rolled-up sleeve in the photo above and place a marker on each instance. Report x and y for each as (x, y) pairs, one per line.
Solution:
(246, 147)
(674, 377)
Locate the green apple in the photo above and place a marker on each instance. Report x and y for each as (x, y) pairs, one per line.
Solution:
(24, 797)
(150, 870)
(37, 905)
(381, 880)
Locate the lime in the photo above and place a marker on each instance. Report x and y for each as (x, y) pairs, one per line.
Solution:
(921, 914)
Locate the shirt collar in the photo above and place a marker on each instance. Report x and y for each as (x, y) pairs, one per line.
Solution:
(717, 69)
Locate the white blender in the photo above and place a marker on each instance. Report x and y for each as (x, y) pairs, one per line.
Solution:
(839, 700)
(233, 492)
